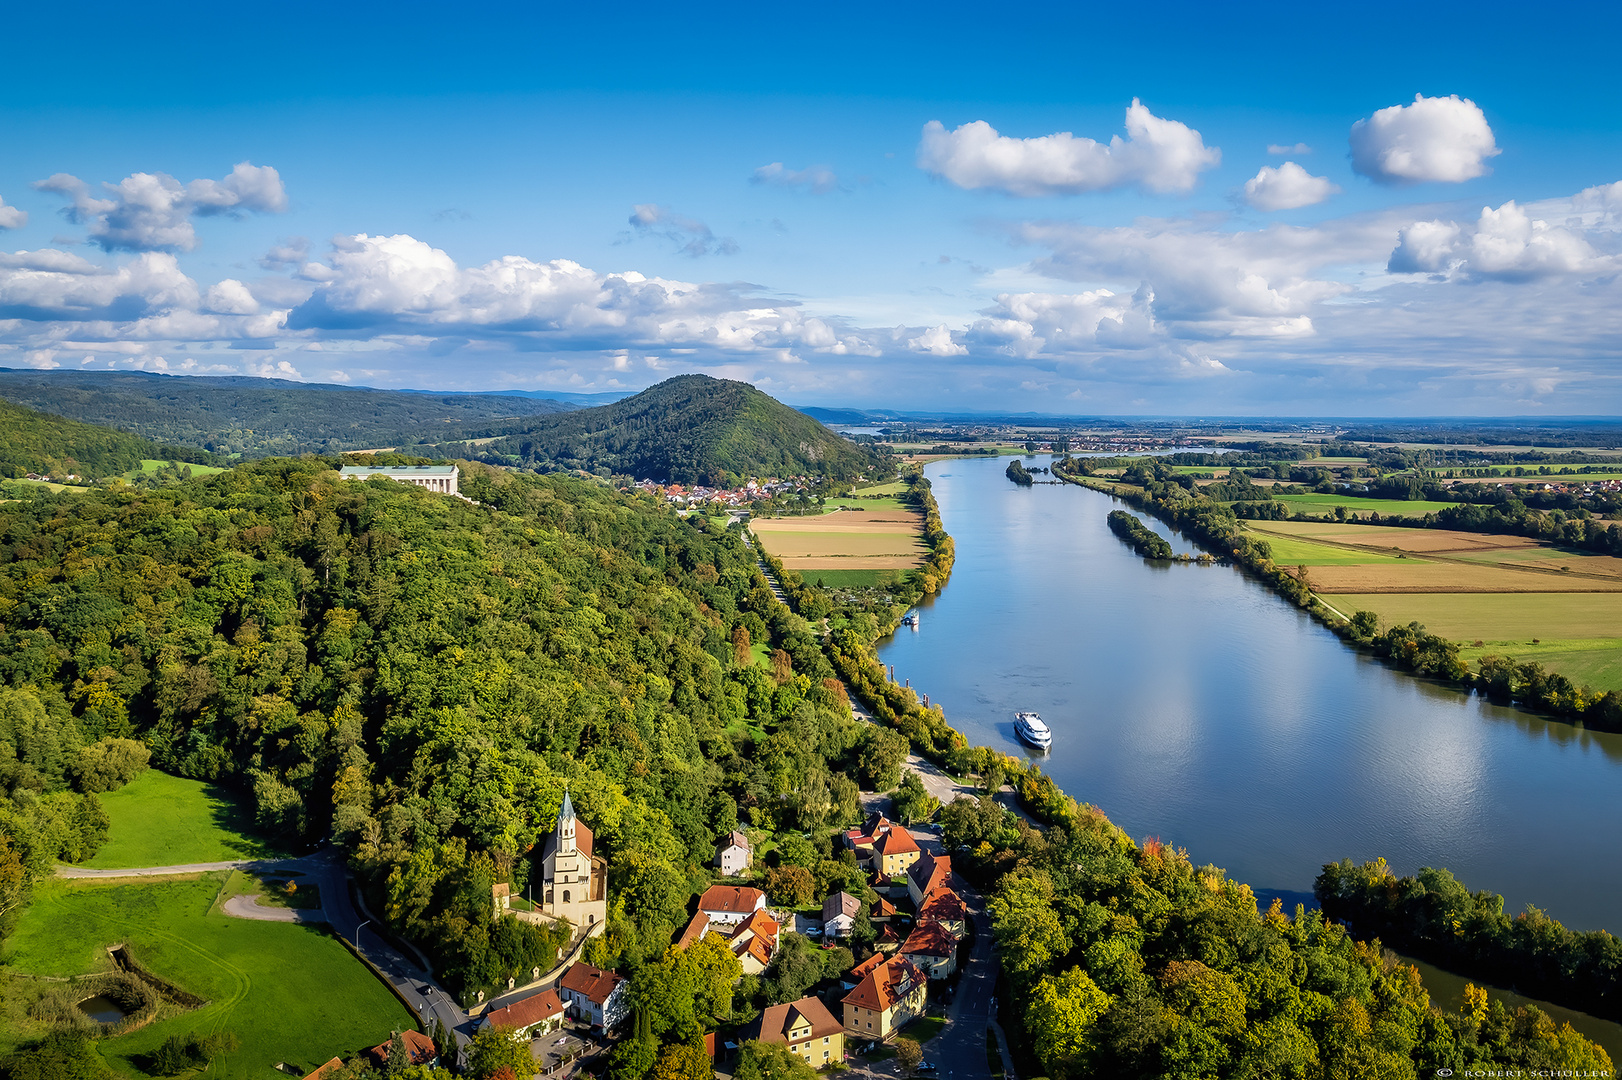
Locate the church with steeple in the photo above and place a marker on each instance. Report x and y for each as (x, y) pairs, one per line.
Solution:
(573, 882)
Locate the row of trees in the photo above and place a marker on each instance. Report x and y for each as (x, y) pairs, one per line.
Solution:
(1143, 540)
(1127, 960)
(1434, 916)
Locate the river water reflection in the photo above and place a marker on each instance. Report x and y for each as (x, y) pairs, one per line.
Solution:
(1192, 704)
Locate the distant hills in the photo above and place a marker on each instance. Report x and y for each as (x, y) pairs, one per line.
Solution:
(689, 429)
(260, 417)
(46, 445)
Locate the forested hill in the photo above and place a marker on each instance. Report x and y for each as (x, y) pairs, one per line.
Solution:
(259, 417)
(419, 676)
(37, 442)
(690, 429)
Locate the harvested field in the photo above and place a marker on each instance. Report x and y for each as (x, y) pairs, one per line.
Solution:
(887, 539)
(1425, 576)
(1387, 538)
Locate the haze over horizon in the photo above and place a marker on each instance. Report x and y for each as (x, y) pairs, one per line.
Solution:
(1086, 212)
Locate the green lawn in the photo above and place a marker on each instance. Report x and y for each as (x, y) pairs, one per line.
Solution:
(895, 487)
(163, 820)
(290, 993)
(1325, 504)
(1288, 551)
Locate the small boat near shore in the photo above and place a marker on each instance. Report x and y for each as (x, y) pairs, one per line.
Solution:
(910, 619)
(1032, 730)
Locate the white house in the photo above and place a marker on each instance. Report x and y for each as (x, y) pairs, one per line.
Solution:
(595, 995)
(734, 855)
(729, 904)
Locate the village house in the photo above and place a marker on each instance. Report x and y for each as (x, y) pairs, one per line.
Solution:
(839, 913)
(731, 903)
(534, 1015)
(856, 974)
(573, 883)
(946, 907)
(734, 855)
(437, 478)
(887, 998)
(806, 1027)
(420, 1049)
(926, 875)
(931, 949)
(882, 846)
(754, 941)
(594, 995)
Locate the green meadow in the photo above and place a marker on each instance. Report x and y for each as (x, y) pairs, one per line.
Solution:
(163, 820)
(290, 993)
(1289, 551)
(1325, 504)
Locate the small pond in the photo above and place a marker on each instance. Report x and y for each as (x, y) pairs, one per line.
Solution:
(103, 1010)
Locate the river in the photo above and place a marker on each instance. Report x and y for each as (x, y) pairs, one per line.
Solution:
(1192, 704)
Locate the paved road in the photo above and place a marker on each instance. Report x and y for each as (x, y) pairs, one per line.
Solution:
(248, 907)
(63, 870)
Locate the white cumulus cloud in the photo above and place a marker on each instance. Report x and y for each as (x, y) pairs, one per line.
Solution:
(11, 217)
(154, 211)
(1280, 150)
(817, 179)
(1158, 155)
(937, 341)
(1506, 244)
(1288, 187)
(1442, 138)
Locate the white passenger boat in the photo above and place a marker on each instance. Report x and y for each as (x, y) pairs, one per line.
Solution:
(1030, 727)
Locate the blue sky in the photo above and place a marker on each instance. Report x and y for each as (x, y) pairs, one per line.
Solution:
(584, 200)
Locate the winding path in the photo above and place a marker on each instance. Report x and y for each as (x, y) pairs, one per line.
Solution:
(249, 907)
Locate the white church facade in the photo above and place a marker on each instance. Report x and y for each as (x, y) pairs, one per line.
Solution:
(573, 883)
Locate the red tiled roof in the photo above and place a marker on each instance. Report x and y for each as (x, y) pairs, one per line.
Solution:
(736, 839)
(856, 973)
(778, 1020)
(930, 939)
(930, 872)
(324, 1068)
(762, 924)
(528, 1012)
(582, 838)
(731, 899)
(758, 947)
(943, 904)
(882, 909)
(594, 984)
(885, 985)
(694, 931)
(896, 842)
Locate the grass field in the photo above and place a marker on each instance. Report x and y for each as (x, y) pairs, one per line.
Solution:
(152, 465)
(291, 993)
(1503, 591)
(163, 820)
(849, 579)
(1290, 551)
(1360, 507)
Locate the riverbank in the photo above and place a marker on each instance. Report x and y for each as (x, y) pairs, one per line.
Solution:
(1194, 707)
(1417, 651)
